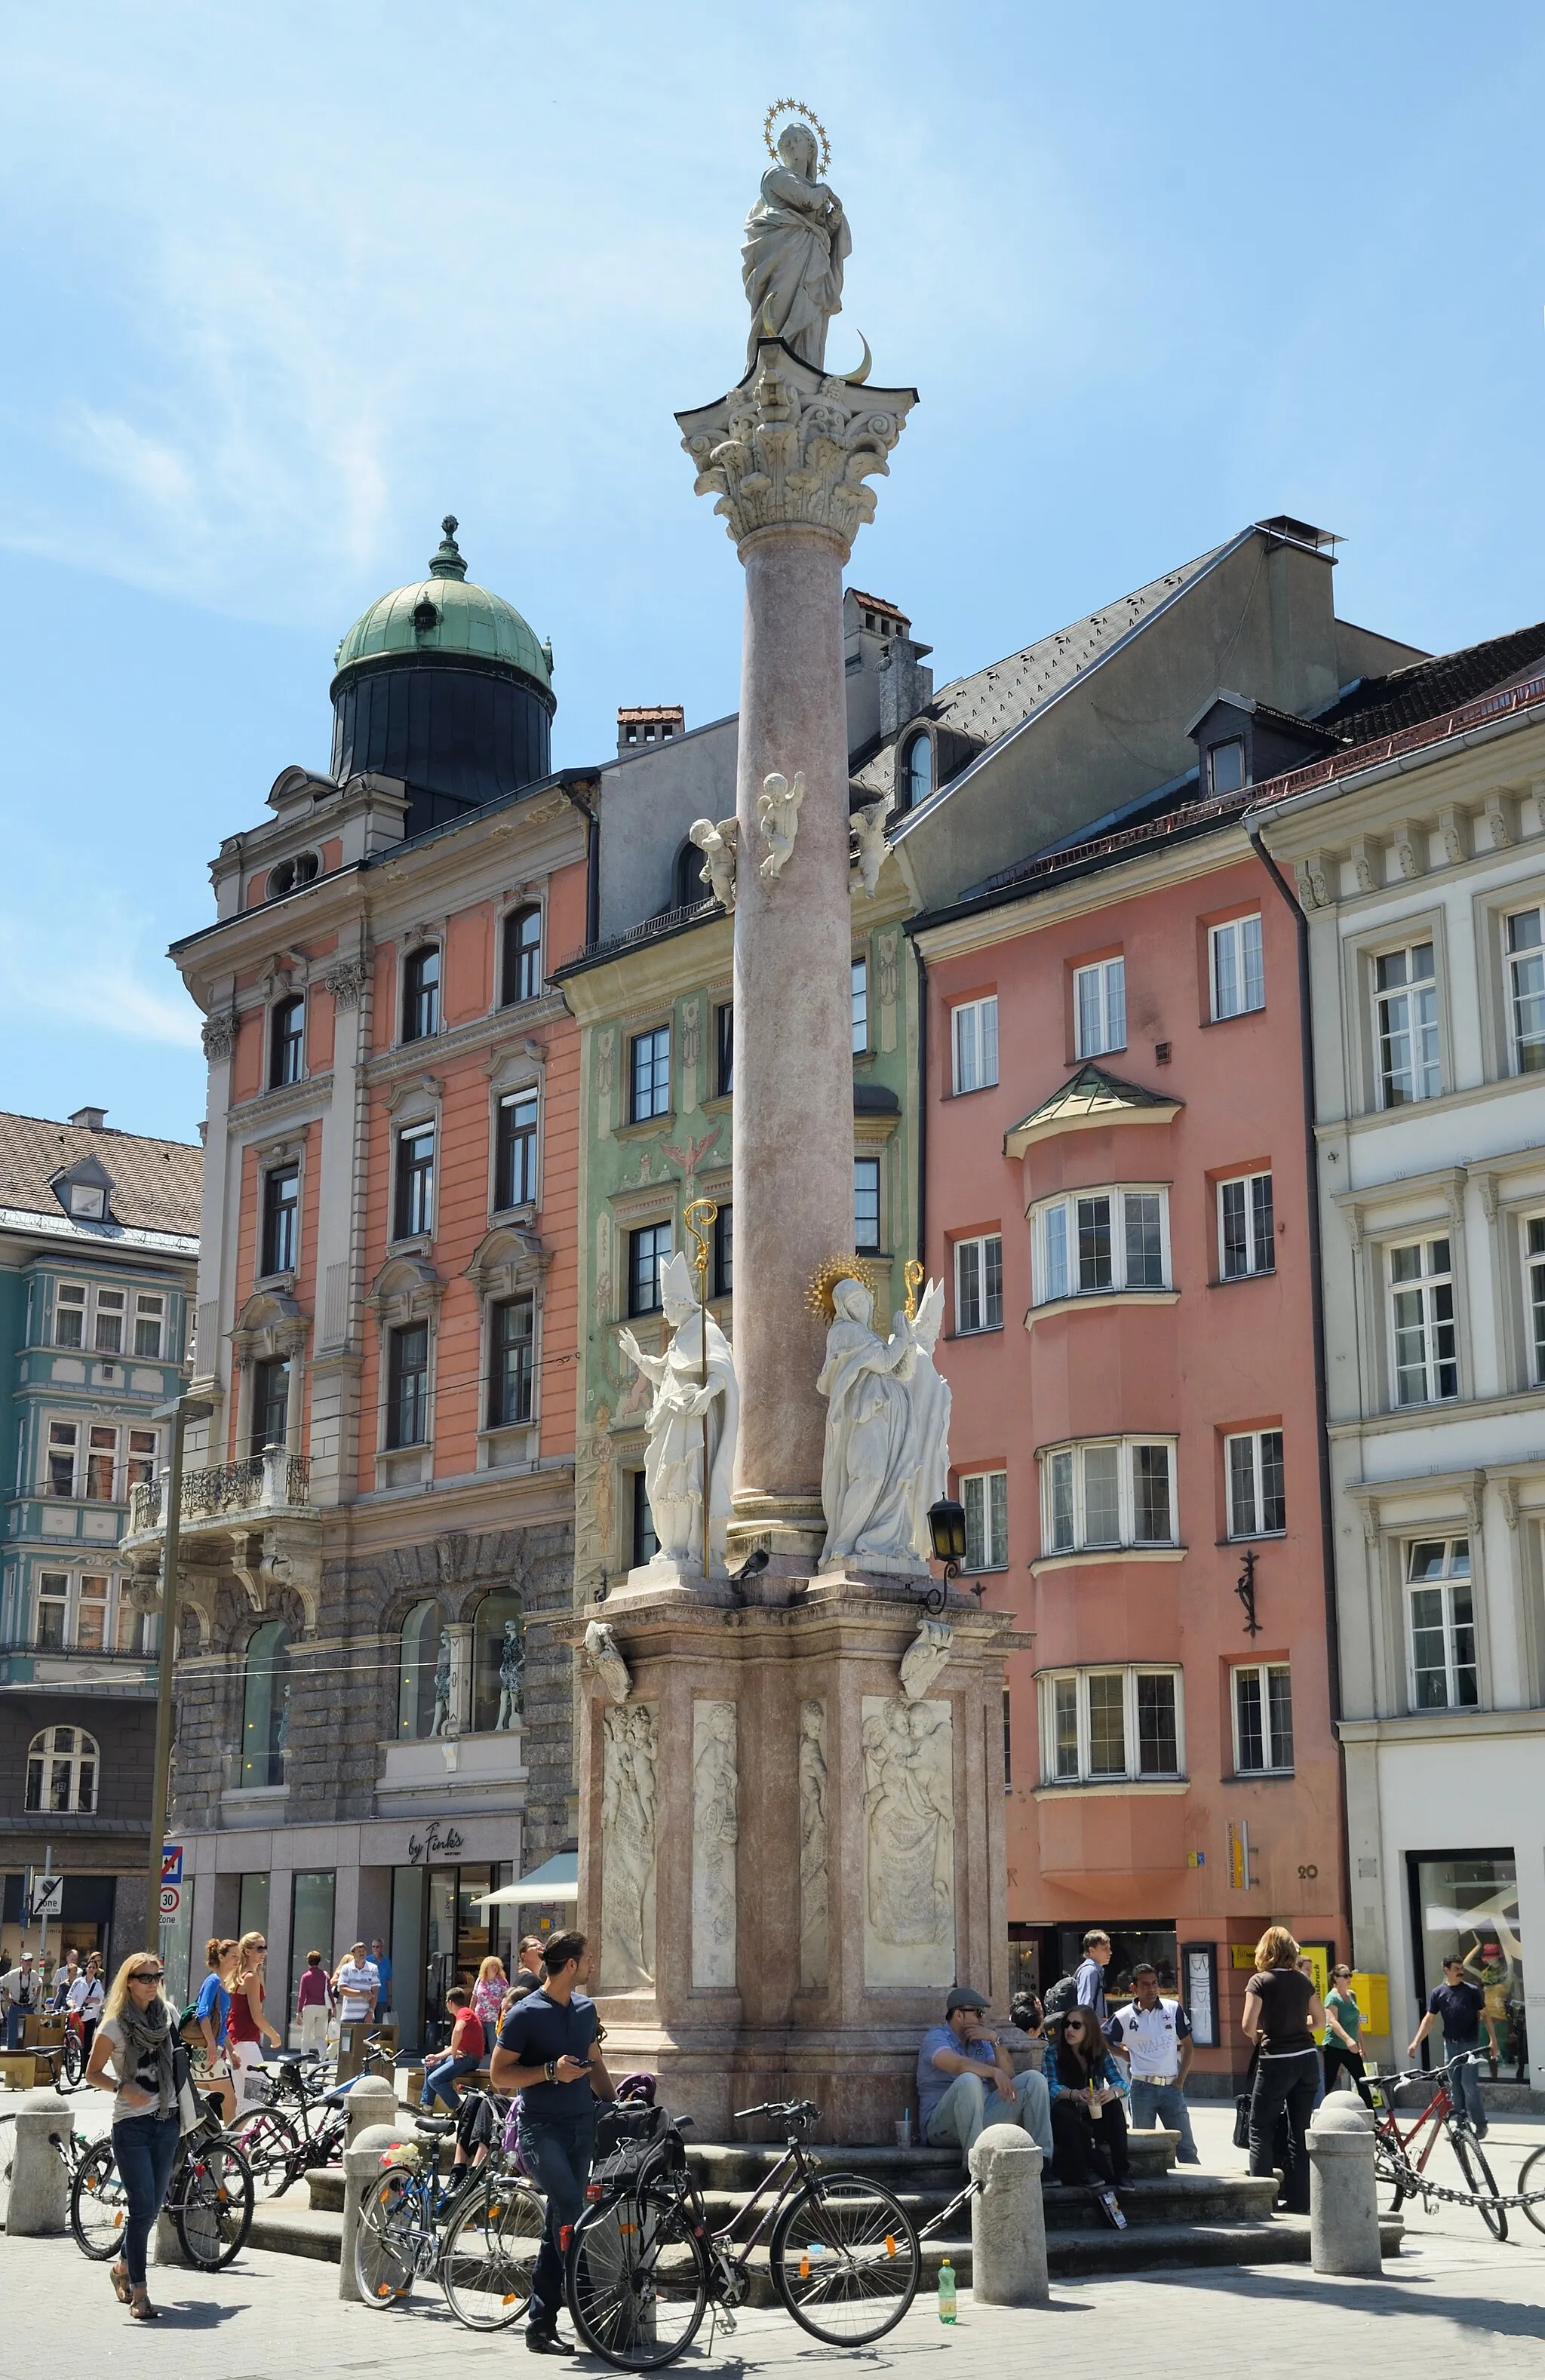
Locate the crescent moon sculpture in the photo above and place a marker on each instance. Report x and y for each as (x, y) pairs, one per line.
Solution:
(857, 378)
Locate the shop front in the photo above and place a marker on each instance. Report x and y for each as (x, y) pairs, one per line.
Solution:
(1465, 1905)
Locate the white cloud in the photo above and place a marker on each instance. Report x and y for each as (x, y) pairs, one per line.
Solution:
(94, 975)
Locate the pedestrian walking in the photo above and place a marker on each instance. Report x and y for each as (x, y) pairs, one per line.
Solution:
(1156, 2034)
(87, 1995)
(249, 2027)
(1343, 2025)
(1281, 2007)
(65, 1975)
(313, 2002)
(1459, 2006)
(548, 2054)
(136, 2038)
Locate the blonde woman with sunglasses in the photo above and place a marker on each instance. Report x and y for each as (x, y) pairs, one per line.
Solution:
(135, 2040)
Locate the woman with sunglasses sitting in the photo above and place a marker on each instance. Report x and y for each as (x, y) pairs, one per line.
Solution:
(136, 2038)
(1088, 2116)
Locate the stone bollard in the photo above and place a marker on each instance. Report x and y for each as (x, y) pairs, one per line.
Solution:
(362, 2168)
(1344, 2203)
(373, 2100)
(1008, 2221)
(40, 2185)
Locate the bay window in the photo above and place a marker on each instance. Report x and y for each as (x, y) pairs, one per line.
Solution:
(1097, 1240)
(1107, 1493)
(1111, 1725)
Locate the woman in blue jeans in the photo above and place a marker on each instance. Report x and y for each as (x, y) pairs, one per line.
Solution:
(136, 2037)
(467, 2049)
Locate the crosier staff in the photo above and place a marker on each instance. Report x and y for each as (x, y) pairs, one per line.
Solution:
(704, 1213)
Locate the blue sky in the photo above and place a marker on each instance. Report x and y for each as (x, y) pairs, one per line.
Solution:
(283, 283)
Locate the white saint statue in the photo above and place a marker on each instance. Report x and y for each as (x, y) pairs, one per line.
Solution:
(796, 243)
(887, 1430)
(674, 1466)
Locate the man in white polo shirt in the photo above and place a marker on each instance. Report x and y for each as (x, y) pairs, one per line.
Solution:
(1156, 2035)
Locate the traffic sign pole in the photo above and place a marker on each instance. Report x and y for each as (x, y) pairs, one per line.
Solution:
(184, 1410)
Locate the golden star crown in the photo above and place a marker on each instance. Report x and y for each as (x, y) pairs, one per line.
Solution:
(797, 108)
(825, 1280)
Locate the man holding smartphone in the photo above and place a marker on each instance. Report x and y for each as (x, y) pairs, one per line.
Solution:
(548, 2052)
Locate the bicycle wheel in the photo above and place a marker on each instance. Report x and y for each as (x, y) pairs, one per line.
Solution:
(98, 2205)
(1531, 2176)
(638, 2280)
(271, 2145)
(844, 2259)
(488, 2258)
(72, 2064)
(1472, 2163)
(211, 2204)
(386, 2246)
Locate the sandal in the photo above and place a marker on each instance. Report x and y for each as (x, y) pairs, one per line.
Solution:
(118, 2276)
(141, 2309)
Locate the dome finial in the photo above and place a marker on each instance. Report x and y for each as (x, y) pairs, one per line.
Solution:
(446, 561)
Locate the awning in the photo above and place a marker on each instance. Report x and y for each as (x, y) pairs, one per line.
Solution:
(555, 1879)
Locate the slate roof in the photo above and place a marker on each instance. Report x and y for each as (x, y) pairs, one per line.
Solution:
(157, 1184)
(1423, 690)
(1087, 1099)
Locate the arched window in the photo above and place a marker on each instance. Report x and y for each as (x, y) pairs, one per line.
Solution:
(418, 1651)
(287, 1044)
(265, 1706)
(498, 1662)
(687, 887)
(420, 993)
(917, 773)
(523, 976)
(62, 1766)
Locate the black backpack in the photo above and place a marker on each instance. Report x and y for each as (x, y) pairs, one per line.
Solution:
(1062, 1996)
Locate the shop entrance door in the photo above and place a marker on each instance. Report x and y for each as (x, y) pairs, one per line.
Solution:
(457, 1940)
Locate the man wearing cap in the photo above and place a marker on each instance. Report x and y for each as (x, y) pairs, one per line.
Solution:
(964, 2080)
(20, 1991)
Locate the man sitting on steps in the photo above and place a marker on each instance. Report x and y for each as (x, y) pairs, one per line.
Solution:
(964, 2080)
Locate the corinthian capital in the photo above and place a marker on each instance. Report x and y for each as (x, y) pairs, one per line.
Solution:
(219, 1033)
(792, 447)
(346, 981)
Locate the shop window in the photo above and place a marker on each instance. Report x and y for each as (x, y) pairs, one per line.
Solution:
(1466, 1908)
(265, 1705)
(62, 1770)
(312, 1896)
(1442, 1627)
(523, 976)
(418, 1653)
(1245, 1231)
(498, 1662)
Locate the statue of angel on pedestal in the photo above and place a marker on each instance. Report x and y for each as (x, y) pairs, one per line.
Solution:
(887, 1430)
(717, 845)
(778, 818)
(675, 1465)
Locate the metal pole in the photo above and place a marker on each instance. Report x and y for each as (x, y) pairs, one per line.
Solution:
(170, 1555)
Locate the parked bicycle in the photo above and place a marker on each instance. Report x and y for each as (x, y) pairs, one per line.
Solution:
(210, 2197)
(1402, 2172)
(644, 2264)
(302, 2126)
(477, 2232)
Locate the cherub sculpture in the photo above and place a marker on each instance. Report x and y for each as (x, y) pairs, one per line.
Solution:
(778, 818)
(869, 825)
(717, 845)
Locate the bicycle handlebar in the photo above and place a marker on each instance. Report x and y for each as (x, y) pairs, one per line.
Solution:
(799, 2112)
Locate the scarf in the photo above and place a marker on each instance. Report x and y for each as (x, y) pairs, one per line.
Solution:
(148, 2034)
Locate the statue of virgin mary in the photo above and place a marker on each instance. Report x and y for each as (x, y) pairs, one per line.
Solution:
(797, 242)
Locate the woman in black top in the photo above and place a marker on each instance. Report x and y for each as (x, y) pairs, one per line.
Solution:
(1089, 2121)
(1281, 2007)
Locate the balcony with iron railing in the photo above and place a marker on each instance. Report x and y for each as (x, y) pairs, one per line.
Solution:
(224, 1496)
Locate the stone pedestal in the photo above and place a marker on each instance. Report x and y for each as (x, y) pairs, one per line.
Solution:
(1344, 2198)
(783, 1861)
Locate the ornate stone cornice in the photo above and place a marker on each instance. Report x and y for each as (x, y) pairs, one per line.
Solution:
(791, 447)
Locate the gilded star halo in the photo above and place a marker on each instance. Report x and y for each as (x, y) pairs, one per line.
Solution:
(819, 1296)
(797, 108)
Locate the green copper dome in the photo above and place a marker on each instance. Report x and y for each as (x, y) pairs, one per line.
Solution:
(446, 615)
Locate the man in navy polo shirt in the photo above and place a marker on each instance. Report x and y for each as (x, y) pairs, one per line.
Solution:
(548, 2052)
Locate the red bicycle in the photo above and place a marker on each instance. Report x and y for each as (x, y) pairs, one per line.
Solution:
(1393, 2148)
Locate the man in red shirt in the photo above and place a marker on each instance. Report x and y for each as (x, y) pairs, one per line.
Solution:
(465, 2057)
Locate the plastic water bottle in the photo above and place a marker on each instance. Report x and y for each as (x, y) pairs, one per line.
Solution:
(948, 2301)
(904, 2128)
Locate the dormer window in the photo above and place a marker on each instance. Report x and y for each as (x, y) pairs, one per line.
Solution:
(426, 615)
(86, 1199)
(1225, 767)
(85, 1191)
(287, 874)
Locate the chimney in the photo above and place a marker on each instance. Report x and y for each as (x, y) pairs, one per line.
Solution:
(89, 1119)
(643, 725)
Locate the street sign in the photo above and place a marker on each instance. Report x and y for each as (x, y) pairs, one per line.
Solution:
(48, 1896)
(171, 1900)
(171, 1863)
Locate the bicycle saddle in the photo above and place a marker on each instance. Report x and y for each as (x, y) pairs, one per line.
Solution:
(435, 2128)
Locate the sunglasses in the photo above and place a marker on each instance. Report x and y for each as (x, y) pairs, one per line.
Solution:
(148, 1975)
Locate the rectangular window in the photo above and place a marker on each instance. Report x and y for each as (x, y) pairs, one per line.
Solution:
(651, 1076)
(69, 1314)
(1110, 1493)
(646, 1248)
(973, 1038)
(979, 1283)
(415, 1182)
(1247, 1242)
(516, 1153)
(523, 975)
(1525, 988)
(1426, 1348)
(1110, 1726)
(984, 1495)
(1099, 1007)
(420, 993)
(149, 1316)
(1225, 767)
(1406, 1024)
(108, 1335)
(64, 1437)
(866, 1203)
(724, 1252)
(91, 1616)
(860, 1007)
(271, 1403)
(724, 1045)
(1256, 1507)
(1443, 1673)
(281, 1211)
(286, 1040)
(407, 1385)
(102, 1461)
(514, 1324)
(1238, 975)
(53, 1610)
(1534, 1293)
(1263, 1719)
(646, 1545)
(141, 1458)
(1101, 1239)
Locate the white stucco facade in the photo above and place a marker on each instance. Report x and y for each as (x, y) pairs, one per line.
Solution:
(1422, 877)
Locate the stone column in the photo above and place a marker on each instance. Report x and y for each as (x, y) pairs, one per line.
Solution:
(787, 453)
(1008, 2219)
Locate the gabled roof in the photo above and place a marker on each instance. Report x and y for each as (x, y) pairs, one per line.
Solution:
(1089, 1101)
(1407, 697)
(157, 1184)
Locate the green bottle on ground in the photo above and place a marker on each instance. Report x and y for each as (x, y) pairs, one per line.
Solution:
(947, 2300)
